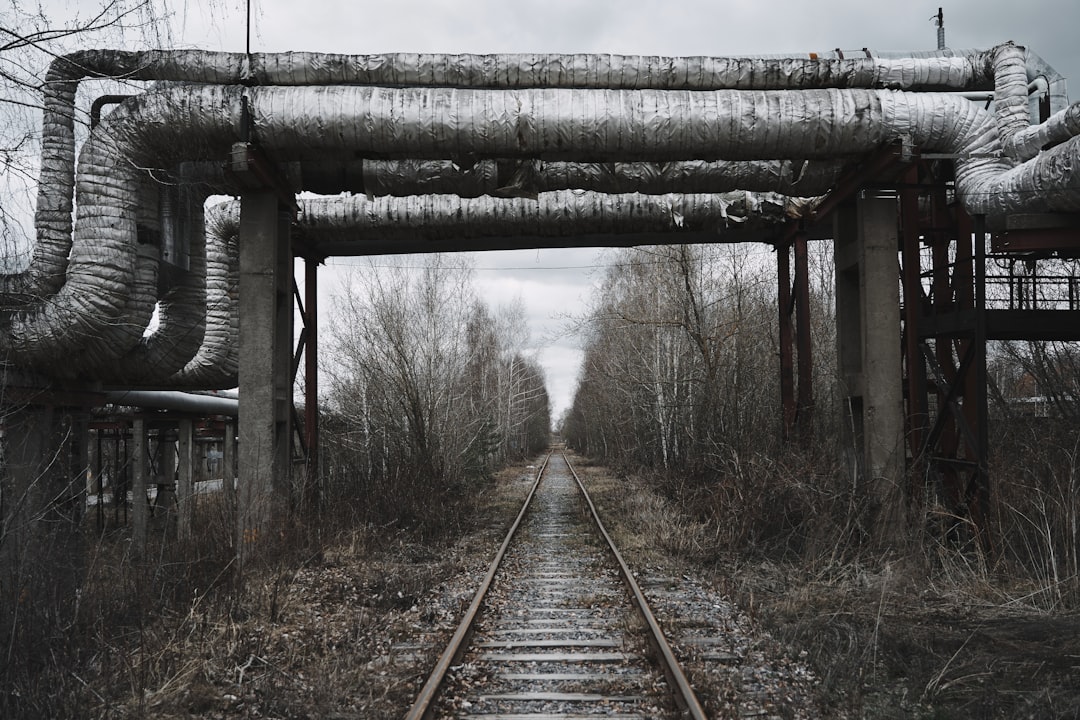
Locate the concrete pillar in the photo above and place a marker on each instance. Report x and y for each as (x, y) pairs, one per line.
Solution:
(869, 357)
(266, 337)
(185, 475)
(883, 399)
(140, 508)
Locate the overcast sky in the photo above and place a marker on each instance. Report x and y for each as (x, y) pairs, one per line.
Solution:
(555, 282)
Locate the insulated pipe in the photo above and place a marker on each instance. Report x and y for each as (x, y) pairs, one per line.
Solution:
(101, 271)
(950, 69)
(432, 218)
(100, 275)
(565, 213)
(102, 349)
(721, 123)
(969, 69)
(1048, 183)
(959, 70)
(527, 178)
(216, 363)
(182, 309)
(1011, 89)
(1027, 143)
(174, 400)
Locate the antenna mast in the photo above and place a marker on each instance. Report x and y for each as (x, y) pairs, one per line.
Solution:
(939, 20)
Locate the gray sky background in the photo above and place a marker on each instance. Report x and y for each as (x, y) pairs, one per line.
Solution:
(555, 282)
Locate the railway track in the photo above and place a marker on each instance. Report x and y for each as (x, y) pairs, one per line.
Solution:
(558, 628)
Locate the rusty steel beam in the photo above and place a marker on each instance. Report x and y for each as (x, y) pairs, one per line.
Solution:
(787, 365)
(801, 292)
(978, 491)
(915, 368)
(311, 380)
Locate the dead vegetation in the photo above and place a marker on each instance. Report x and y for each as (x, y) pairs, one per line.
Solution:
(934, 630)
(343, 627)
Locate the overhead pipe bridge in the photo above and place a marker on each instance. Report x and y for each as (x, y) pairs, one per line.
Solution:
(420, 153)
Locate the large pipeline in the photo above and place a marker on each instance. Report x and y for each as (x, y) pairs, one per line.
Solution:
(482, 126)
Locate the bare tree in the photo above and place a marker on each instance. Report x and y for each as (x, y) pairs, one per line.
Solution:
(41, 500)
(30, 39)
(427, 396)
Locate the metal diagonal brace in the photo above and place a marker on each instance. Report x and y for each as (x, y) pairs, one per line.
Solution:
(950, 397)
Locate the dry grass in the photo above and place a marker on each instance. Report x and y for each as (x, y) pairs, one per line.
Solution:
(929, 631)
(343, 627)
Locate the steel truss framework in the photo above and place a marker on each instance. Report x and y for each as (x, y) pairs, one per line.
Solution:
(947, 318)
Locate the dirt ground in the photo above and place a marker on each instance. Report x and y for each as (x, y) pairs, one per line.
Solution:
(353, 631)
(909, 652)
(893, 638)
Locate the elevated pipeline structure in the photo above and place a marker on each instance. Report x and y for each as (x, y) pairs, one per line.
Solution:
(367, 154)
(721, 141)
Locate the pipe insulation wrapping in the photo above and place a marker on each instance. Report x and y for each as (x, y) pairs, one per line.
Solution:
(949, 69)
(100, 273)
(1011, 89)
(182, 312)
(216, 364)
(357, 219)
(1050, 182)
(602, 125)
(969, 69)
(1058, 128)
(584, 128)
(527, 178)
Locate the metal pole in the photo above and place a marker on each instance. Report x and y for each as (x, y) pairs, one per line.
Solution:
(981, 502)
(787, 375)
(805, 403)
(311, 380)
(140, 509)
(917, 407)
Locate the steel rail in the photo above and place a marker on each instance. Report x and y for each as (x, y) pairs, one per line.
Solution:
(680, 686)
(424, 704)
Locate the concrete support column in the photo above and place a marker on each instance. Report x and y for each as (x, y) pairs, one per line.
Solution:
(883, 399)
(869, 357)
(266, 338)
